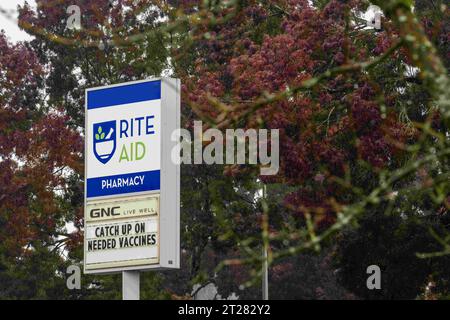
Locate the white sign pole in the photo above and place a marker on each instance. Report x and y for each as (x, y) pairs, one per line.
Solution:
(130, 285)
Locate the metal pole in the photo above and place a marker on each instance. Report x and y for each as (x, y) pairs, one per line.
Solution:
(265, 277)
(265, 269)
(130, 285)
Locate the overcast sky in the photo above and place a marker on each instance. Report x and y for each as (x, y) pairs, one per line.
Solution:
(9, 24)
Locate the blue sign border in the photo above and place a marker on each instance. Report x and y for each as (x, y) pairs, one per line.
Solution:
(151, 182)
(125, 94)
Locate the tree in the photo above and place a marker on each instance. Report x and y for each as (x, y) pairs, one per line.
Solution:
(37, 151)
(76, 57)
(353, 133)
(393, 241)
(363, 116)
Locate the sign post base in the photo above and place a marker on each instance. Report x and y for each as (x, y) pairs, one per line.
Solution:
(130, 285)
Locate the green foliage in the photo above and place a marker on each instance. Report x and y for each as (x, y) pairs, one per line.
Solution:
(365, 149)
(39, 274)
(391, 242)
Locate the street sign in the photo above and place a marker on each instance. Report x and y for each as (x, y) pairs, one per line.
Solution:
(131, 186)
(123, 139)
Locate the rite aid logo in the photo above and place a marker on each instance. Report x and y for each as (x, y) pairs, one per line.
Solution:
(104, 140)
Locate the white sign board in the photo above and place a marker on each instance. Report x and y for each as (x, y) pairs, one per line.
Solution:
(122, 233)
(128, 168)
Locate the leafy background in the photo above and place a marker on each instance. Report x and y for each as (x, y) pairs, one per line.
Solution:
(364, 144)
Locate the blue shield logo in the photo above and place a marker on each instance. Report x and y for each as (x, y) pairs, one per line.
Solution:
(104, 140)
